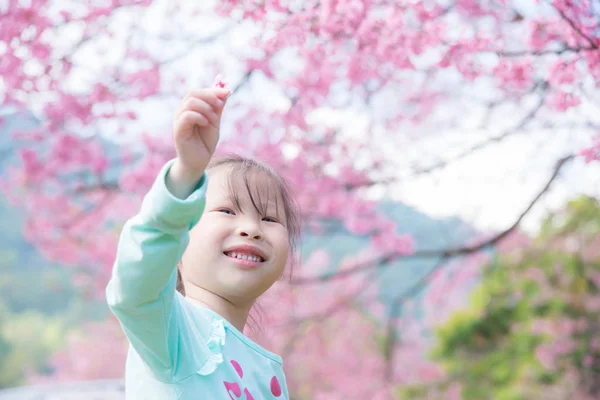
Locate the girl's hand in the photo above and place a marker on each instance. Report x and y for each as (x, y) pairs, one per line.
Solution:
(196, 131)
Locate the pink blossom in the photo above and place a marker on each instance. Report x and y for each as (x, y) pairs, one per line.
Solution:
(219, 82)
(359, 225)
(516, 75)
(146, 81)
(260, 65)
(471, 7)
(563, 72)
(562, 101)
(32, 167)
(542, 33)
(545, 356)
(100, 93)
(41, 51)
(592, 153)
(393, 243)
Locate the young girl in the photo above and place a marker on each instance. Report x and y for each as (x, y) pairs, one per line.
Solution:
(241, 225)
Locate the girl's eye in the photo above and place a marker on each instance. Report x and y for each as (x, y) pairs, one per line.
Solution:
(226, 211)
(269, 219)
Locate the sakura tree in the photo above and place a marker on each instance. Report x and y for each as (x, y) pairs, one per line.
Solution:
(330, 93)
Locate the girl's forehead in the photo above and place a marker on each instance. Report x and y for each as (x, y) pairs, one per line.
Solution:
(225, 182)
(218, 178)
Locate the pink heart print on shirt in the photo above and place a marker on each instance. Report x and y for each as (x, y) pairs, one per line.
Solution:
(234, 387)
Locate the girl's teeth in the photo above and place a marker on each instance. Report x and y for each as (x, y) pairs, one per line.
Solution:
(244, 257)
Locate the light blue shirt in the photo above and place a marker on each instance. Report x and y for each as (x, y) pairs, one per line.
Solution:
(179, 349)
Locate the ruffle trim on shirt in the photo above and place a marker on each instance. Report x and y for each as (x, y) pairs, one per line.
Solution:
(215, 344)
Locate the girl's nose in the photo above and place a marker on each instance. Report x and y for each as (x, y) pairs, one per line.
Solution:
(249, 232)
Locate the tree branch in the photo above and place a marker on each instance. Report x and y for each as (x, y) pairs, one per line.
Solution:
(572, 24)
(83, 214)
(495, 139)
(560, 51)
(245, 79)
(417, 171)
(340, 304)
(385, 260)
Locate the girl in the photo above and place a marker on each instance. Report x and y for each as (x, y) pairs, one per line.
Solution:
(241, 225)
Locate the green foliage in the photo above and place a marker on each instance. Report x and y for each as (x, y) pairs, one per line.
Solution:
(531, 322)
(28, 338)
(26, 341)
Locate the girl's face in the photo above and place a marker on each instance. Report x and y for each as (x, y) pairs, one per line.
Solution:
(228, 232)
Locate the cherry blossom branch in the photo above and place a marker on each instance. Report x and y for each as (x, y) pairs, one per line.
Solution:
(86, 213)
(543, 87)
(572, 24)
(385, 260)
(494, 139)
(245, 79)
(103, 186)
(340, 304)
(560, 51)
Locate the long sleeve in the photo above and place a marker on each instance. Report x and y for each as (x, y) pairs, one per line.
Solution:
(141, 292)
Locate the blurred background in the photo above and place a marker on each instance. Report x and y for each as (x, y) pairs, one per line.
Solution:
(444, 154)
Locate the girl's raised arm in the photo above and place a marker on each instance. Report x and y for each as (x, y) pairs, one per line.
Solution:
(141, 292)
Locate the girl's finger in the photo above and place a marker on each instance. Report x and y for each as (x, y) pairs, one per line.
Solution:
(199, 106)
(202, 107)
(214, 96)
(191, 118)
(215, 104)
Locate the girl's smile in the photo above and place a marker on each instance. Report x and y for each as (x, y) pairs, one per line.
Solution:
(245, 262)
(247, 255)
(248, 250)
